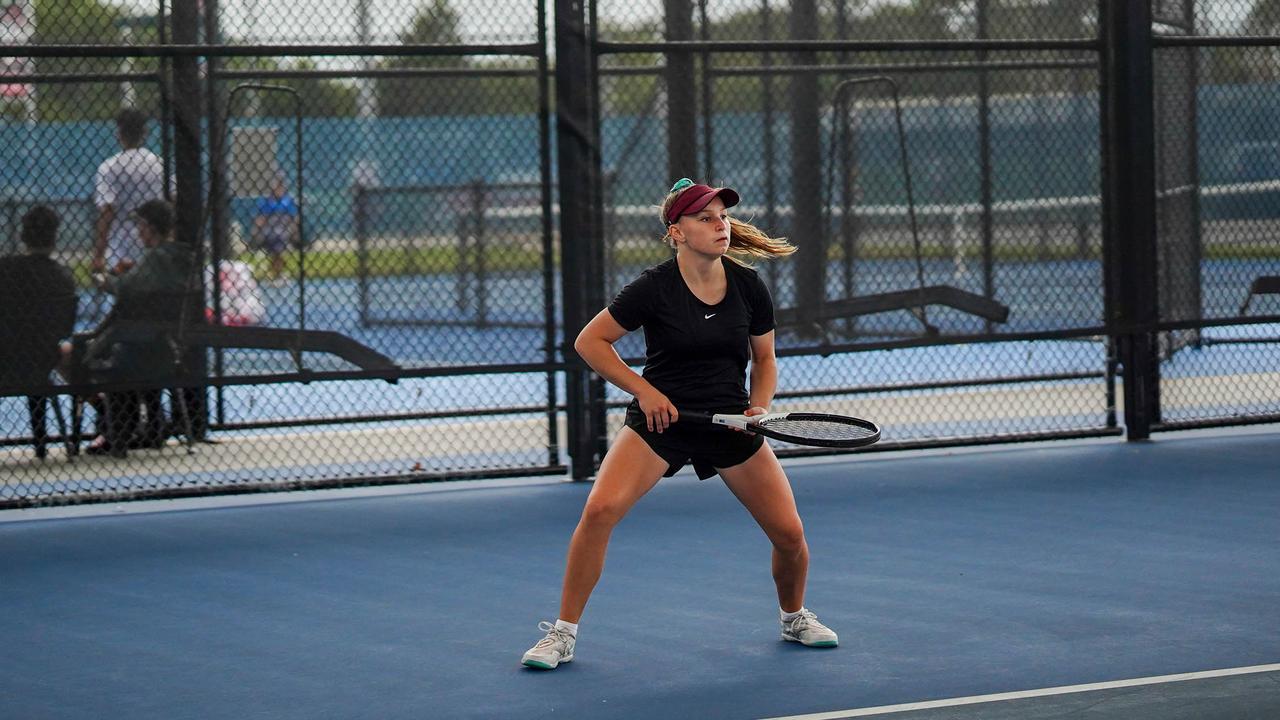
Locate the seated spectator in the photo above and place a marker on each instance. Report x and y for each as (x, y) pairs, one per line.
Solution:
(131, 344)
(275, 227)
(37, 310)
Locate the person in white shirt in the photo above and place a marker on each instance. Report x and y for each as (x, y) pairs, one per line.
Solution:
(124, 181)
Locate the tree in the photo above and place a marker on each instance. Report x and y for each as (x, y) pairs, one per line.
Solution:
(1263, 19)
(435, 23)
(1257, 63)
(320, 97)
(500, 94)
(77, 22)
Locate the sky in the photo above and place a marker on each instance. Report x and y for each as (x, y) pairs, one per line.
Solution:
(334, 21)
(501, 21)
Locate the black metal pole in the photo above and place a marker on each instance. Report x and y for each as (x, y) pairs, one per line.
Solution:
(770, 153)
(1129, 213)
(707, 80)
(214, 104)
(845, 151)
(478, 200)
(186, 126)
(1193, 157)
(578, 247)
(188, 195)
(841, 154)
(599, 233)
(682, 94)
(986, 198)
(299, 181)
(548, 240)
(360, 211)
(807, 229)
(217, 187)
(166, 104)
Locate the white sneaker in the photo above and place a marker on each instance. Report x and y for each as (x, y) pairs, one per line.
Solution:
(555, 648)
(806, 630)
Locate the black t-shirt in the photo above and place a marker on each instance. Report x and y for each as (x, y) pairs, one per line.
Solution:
(37, 309)
(696, 354)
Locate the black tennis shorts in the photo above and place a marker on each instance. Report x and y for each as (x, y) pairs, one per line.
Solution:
(706, 446)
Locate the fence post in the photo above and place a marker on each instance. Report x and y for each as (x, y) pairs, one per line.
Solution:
(807, 197)
(682, 94)
(362, 250)
(188, 200)
(215, 105)
(463, 225)
(767, 137)
(1129, 211)
(580, 250)
(986, 225)
(478, 192)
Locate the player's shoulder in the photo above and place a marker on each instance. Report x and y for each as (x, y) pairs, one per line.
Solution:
(665, 267)
(739, 269)
(662, 270)
(749, 275)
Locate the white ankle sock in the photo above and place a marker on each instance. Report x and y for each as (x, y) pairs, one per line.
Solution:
(789, 616)
(571, 627)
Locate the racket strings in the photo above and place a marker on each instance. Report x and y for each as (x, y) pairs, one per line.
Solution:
(818, 429)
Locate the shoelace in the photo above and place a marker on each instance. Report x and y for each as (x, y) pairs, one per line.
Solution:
(806, 618)
(554, 635)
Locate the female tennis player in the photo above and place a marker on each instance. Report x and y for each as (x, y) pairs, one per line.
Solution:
(705, 316)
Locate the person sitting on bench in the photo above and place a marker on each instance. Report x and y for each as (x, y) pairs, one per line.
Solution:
(153, 291)
(37, 310)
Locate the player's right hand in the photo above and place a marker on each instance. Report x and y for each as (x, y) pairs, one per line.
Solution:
(658, 411)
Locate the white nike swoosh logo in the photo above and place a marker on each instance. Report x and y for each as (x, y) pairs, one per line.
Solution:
(708, 317)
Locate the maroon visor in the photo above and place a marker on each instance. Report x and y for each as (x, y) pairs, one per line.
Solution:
(696, 198)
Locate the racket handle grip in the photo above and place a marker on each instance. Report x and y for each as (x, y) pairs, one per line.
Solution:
(727, 420)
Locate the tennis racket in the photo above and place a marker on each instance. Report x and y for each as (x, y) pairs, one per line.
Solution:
(799, 428)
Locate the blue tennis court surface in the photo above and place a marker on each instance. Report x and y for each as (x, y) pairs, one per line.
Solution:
(948, 575)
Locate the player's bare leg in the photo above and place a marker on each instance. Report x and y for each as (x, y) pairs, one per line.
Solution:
(763, 489)
(629, 470)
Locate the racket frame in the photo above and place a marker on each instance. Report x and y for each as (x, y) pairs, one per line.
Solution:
(756, 424)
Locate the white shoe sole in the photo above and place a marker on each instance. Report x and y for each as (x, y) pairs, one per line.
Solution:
(820, 643)
(530, 662)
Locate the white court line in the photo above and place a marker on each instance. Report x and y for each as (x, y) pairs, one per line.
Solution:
(1064, 690)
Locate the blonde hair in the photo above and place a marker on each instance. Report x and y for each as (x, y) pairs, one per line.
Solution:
(746, 241)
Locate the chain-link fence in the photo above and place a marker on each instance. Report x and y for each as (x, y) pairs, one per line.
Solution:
(368, 285)
(1218, 126)
(319, 324)
(939, 196)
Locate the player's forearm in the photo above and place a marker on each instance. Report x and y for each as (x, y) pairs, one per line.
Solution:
(764, 382)
(601, 356)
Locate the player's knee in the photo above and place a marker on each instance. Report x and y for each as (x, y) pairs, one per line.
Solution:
(789, 538)
(600, 513)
